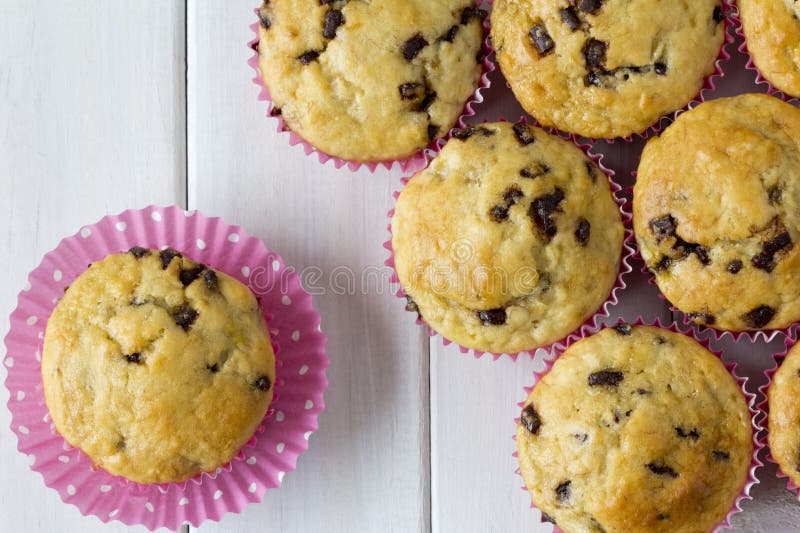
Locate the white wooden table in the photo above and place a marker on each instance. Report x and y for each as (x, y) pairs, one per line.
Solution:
(115, 104)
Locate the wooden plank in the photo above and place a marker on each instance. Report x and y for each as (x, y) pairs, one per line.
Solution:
(91, 122)
(367, 468)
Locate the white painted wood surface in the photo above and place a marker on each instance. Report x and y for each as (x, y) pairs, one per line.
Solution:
(97, 114)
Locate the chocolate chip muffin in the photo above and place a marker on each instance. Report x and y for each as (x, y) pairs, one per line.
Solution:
(717, 212)
(784, 415)
(635, 429)
(157, 367)
(606, 68)
(772, 31)
(370, 81)
(509, 240)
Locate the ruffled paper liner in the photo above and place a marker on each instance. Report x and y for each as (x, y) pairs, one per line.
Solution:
(591, 322)
(281, 437)
(763, 407)
(768, 335)
(413, 163)
(755, 462)
(709, 86)
(760, 79)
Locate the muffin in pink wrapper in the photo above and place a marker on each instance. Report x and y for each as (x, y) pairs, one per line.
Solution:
(637, 428)
(609, 70)
(770, 34)
(369, 84)
(492, 241)
(293, 327)
(780, 414)
(714, 216)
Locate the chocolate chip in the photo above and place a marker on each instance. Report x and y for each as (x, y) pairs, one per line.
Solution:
(589, 6)
(210, 277)
(717, 15)
(492, 317)
(593, 78)
(185, 317)
(562, 491)
(524, 134)
(721, 456)
(595, 53)
(642, 392)
(540, 170)
(530, 419)
(499, 213)
(276, 112)
(512, 194)
(547, 518)
(413, 46)
(692, 248)
(134, 358)
(735, 266)
(411, 91)
(759, 317)
(661, 470)
(462, 134)
(427, 102)
(663, 228)
(471, 13)
(766, 259)
(333, 19)
(167, 255)
(433, 131)
(660, 68)
(541, 39)
(623, 329)
(450, 35)
(308, 57)
(263, 18)
(189, 275)
(213, 368)
(775, 195)
(263, 383)
(570, 17)
(411, 305)
(542, 209)
(138, 252)
(691, 434)
(611, 378)
(664, 263)
(582, 231)
(706, 318)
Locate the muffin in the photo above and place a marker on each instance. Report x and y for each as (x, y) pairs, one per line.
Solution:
(606, 68)
(370, 81)
(773, 40)
(635, 429)
(717, 212)
(157, 367)
(509, 240)
(784, 415)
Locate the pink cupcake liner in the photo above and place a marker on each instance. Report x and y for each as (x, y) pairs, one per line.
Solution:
(758, 445)
(709, 86)
(767, 335)
(280, 439)
(414, 163)
(763, 406)
(738, 30)
(589, 324)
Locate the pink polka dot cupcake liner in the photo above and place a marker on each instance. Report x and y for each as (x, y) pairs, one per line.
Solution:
(412, 164)
(758, 445)
(282, 435)
(738, 30)
(589, 324)
(763, 406)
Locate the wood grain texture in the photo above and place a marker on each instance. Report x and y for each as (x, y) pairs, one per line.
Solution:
(367, 467)
(91, 122)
